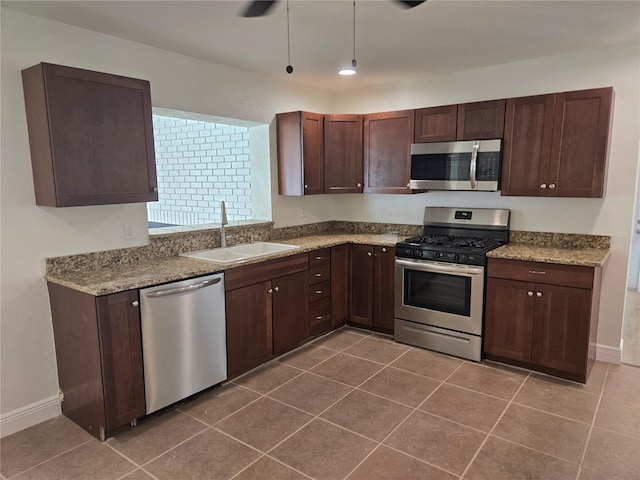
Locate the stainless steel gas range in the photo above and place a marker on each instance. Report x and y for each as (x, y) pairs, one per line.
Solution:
(440, 278)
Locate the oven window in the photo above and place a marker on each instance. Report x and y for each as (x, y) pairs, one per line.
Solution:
(441, 166)
(437, 291)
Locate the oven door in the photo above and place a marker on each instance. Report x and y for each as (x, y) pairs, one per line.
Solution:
(445, 295)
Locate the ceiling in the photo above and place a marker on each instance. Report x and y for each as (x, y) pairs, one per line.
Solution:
(392, 43)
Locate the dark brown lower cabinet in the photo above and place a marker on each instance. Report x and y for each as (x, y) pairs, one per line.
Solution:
(290, 328)
(542, 316)
(99, 355)
(339, 285)
(383, 288)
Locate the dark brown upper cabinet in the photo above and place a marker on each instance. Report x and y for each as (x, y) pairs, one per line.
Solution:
(387, 151)
(467, 121)
(300, 137)
(90, 135)
(343, 162)
(556, 145)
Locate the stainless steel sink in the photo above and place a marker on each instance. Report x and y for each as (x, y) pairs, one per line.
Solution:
(238, 253)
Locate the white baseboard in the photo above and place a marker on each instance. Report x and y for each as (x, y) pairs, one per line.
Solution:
(605, 353)
(29, 415)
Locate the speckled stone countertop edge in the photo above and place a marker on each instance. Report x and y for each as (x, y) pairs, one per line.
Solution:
(118, 278)
(583, 257)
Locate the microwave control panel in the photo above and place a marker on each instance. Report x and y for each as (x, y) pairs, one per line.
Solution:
(488, 166)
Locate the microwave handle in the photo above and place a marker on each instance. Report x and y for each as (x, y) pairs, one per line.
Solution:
(472, 166)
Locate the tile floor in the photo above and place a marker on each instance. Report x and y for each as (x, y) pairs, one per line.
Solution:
(358, 406)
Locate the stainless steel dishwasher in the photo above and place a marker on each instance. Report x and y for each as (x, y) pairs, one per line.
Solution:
(183, 339)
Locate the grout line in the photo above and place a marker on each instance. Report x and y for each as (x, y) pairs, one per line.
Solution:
(174, 447)
(494, 426)
(55, 456)
(554, 414)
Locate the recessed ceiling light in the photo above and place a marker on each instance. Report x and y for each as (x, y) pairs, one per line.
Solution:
(347, 71)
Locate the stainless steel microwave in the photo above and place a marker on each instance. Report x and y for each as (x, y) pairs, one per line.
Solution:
(467, 165)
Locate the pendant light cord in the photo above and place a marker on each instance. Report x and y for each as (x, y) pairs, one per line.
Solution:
(288, 37)
(353, 62)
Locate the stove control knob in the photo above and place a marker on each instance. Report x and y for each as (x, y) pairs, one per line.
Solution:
(407, 252)
(456, 257)
(436, 254)
(464, 259)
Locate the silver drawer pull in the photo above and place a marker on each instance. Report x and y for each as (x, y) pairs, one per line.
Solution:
(537, 272)
(318, 292)
(319, 317)
(530, 293)
(318, 274)
(538, 294)
(318, 258)
(135, 304)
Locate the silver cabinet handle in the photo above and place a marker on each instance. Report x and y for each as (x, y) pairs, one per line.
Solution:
(318, 292)
(306, 186)
(408, 185)
(154, 189)
(277, 289)
(318, 274)
(384, 250)
(552, 186)
(135, 303)
(369, 253)
(319, 317)
(175, 291)
(530, 293)
(318, 258)
(543, 186)
(358, 185)
(538, 294)
(472, 165)
(537, 272)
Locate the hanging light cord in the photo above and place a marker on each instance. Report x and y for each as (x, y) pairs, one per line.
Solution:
(289, 68)
(353, 62)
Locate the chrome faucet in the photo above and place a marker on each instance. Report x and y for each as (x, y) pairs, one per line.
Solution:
(223, 222)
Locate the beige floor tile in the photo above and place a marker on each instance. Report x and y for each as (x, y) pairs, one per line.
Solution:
(323, 451)
(400, 386)
(542, 431)
(339, 340)
(387, 464)
(557, 396)
(491, 381)
(138, 475)
(93, 460)
(439, 442)
(424, 362)
(220, 403)
(622, 386)
(310, 393)
(502, 460)
(36, 444)
(621, 417)
(210, 454)
(264, 423)
(268, 469)
(588, 474)
(632, 371)
(464, 406)
(366, 414)
(347, 369)
(613, 454)
(376, 350)
(265, 379)
(155, 435)
(307, 357)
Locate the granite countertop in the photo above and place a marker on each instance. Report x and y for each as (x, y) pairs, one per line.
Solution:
(584, 257)
(117, 278)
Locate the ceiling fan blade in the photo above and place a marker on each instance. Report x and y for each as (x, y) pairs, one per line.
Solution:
(410, 4)
(258, 8)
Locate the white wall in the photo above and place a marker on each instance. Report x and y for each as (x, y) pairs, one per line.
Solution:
(31, 233)
(612, 215)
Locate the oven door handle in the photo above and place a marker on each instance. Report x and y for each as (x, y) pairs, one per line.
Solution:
(472, 165)
(440, 267)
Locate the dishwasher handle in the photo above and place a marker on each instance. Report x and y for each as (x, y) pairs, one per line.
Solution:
(176, 291)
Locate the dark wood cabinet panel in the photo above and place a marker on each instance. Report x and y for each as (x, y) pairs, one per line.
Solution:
(480, 120)
(527, 144)
(300, 138)
(383, 288)
(361, 284)
(99, 357)
(509, 315)
(249, 327)
(290, 311)
(90, 135)
(387, 151)
(320, 317)
(580, 137)
(436, 124)
(343, 162)
(339, 285)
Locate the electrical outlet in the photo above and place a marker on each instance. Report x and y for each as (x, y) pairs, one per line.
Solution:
(128, 231)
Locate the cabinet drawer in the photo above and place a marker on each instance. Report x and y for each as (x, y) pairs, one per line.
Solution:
(319, 274)
(320, 312)
(319, 291)
(550, 273)
(319, 257)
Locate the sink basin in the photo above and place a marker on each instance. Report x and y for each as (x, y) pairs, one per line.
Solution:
(238, 253)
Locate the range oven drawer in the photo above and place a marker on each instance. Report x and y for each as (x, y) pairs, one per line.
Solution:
(439, 339)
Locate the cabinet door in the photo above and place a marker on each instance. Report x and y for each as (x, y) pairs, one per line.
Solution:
(121, 354)
(290, 311)
(343, 164)
(300, 153)
(383, 288)
(387, 151)
(339, 285)
(561, 328)
(435, 124)
(509, 315)
(480, 120)
(249, 333)
(361, 284)
(579, 148)
(527, 145)
(91, 137)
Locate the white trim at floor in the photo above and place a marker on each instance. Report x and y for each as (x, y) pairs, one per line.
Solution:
(29, 415)
(605, 353)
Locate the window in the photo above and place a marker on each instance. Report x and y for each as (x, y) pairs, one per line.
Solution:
(203, 160)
